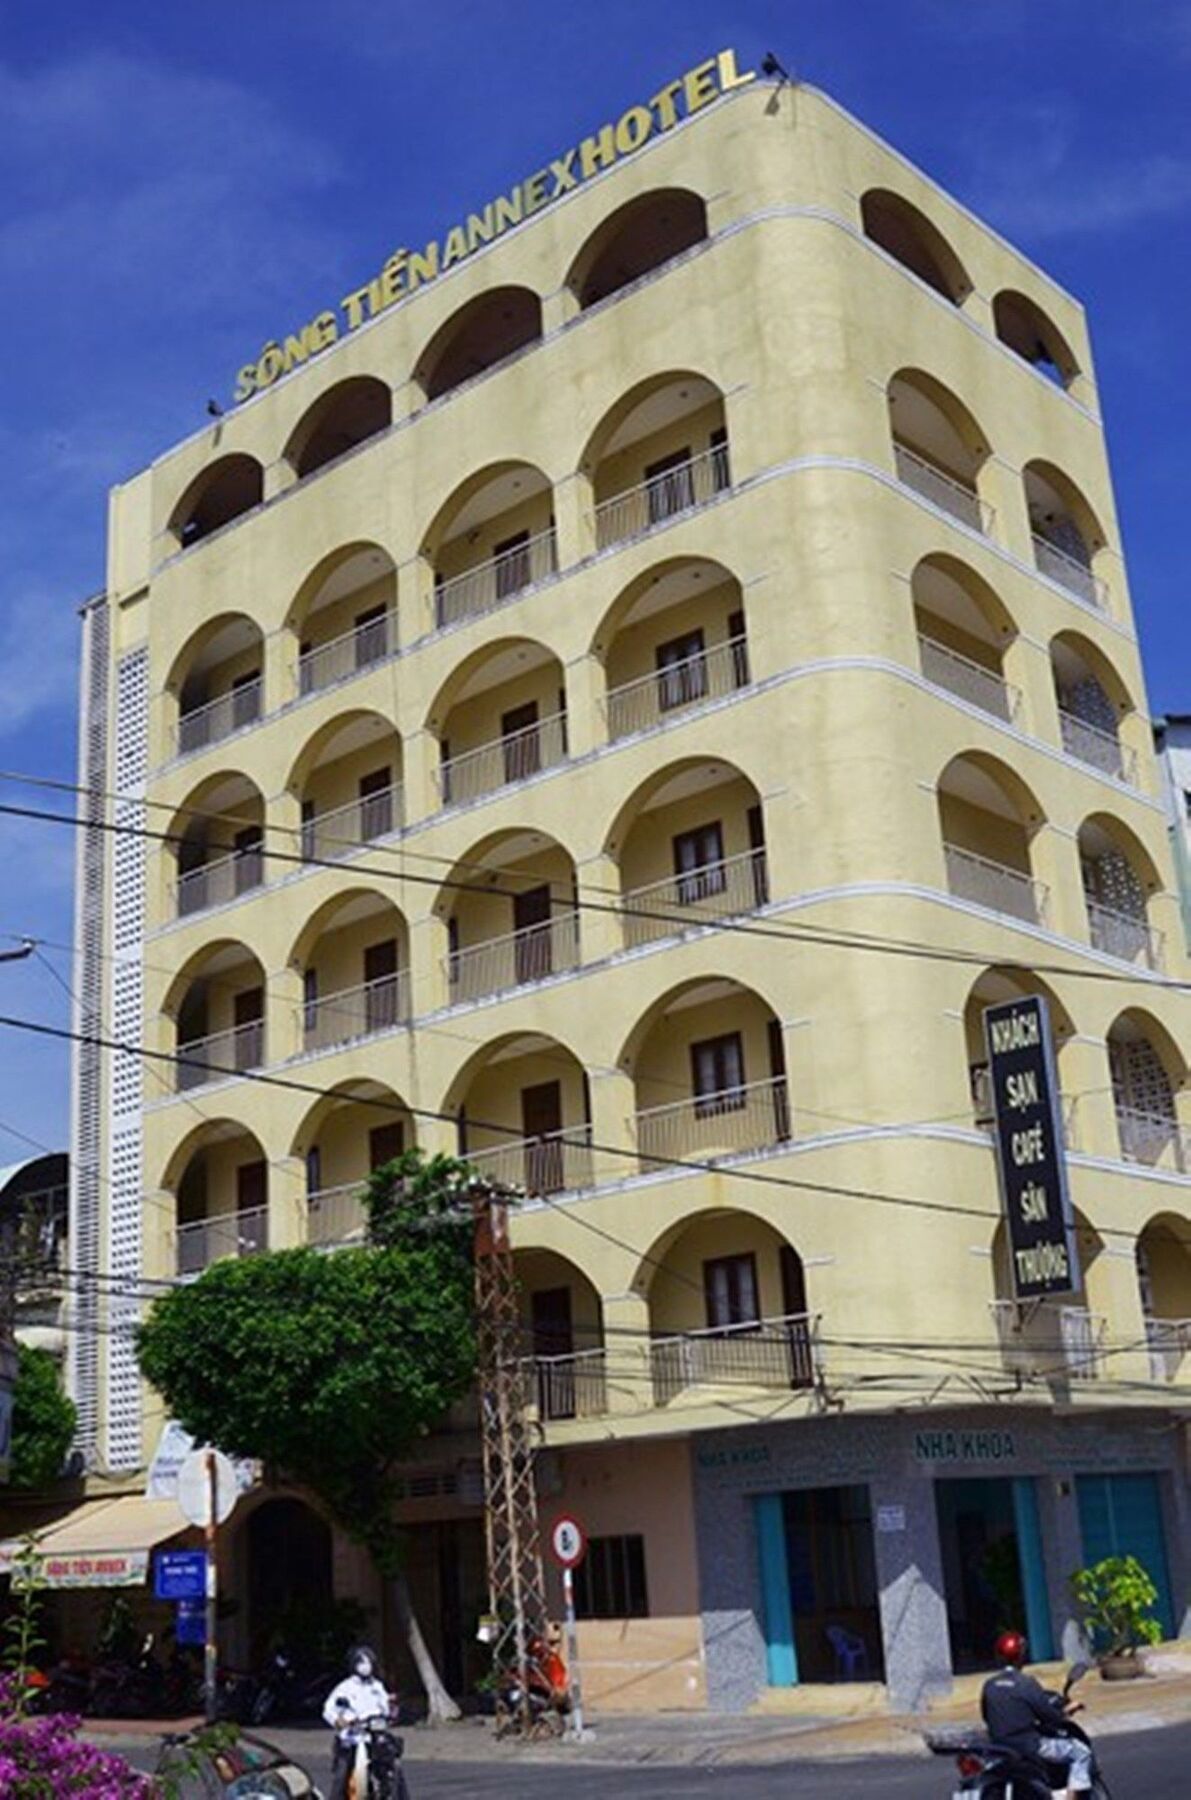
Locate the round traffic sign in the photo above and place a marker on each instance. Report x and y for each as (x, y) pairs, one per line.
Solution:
(195, 1485)
(568, 1541)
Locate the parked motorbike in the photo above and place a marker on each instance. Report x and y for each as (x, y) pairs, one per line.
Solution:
(376, 1772)
(991, 1771)
(542, 1691)
(276, 1691)
(129, 1689)
(246, 1769)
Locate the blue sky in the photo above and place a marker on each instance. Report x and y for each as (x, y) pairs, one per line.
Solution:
(179, 184)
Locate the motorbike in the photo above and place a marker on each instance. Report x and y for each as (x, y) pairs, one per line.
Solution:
(129, 1689)
(991, 1771)
(376, 1772)
(248, 1768)
(542, 1691)
(278, 1691)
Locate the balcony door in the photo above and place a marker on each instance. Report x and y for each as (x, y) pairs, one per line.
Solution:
(512, 562)
(247, 847)
(246, 699)
(730, 1293)
(386, 1143)
(380, 985)
(794, 1306)
(533, 940)
(699, 863)
(670, 485)
(521, 741)
(541, 1122)
(370, 636)
(554, 1336)
(682, 671)
(252, 1193)
(249, 1013)
(717, 1075)
(376, 804)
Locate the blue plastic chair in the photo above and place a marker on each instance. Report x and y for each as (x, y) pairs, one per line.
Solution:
(851, 1653)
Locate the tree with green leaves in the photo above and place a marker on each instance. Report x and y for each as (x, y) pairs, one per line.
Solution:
(330, 1366)
(43, 1420)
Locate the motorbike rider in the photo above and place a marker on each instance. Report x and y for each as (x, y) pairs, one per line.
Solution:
(359, 1696)
(1019, 1712)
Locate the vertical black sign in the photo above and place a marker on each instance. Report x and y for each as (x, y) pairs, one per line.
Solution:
(1028, 1133)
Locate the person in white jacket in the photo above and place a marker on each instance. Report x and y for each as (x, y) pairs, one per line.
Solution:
(359, 1696)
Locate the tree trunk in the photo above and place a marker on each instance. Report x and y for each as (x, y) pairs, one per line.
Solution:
(441, 1707)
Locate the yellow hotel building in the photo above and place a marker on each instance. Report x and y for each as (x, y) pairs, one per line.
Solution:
(633, 699)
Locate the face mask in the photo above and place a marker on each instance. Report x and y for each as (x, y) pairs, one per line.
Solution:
(363, 1668)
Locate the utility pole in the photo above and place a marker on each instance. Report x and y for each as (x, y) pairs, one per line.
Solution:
(516, 1586)
(9, 1276)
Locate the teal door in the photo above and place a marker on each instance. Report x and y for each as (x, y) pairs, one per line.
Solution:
(1121, 1515)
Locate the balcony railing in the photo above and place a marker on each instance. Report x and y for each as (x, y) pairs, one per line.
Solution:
(232, 1051)
(969, 680)
(503, 761)
(696, 898)
(1127, 935)
(1168, 1342)
(365, 645)
(942, 490)
(335, 1215)
(1153, 1138)
(331, 836)
(532, 954)
(1100, 749)
(1051, 1342)
(751, 1117)
(1082, 1335)
(1067, 570)
(769, 1353)
(205, 1241)
(352, 1013)
(220, 718)
(490, 584)
(642, 704)
(559, 1162)
(570, 1387)
(991, 884)
(222, 879)
(656, 501)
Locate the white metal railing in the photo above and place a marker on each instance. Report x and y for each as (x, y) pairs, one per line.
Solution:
(1127, 935)
(1048, 1341)
(697, 897)
(750, 1117)
(365, 645)
(558, 1162)
(528, 955)
(241, 1047)
(663, 497)
(1101, 749)
(772, 1353)
(1060, 566)
(205, 1241)
(1148, 1137)
(574, 1386)
(1168, 1342)
(970, 680)
(942, 490)
(641, 704)
(505, 760)
(500, 578)
(219, 718)
(991, 884)
(335, 1215)
(219, 880)
(1082, 1334)
(330, 836)
(352, 1013)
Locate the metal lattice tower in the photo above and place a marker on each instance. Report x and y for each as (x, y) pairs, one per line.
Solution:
(516, 1587)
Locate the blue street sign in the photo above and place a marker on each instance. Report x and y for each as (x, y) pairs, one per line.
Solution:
(190, 1622)
(180, 1574)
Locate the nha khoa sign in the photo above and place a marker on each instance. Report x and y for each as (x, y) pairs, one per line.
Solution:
(1031, 1159)
(407, 270)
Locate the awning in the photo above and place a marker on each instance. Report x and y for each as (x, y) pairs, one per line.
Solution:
(101, 1543)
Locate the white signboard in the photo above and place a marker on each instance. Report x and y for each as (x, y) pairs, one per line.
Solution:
(891, 1518)
(207, 1475)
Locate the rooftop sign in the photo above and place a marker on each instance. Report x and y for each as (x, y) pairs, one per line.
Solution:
(1031, 1158)
(407, 270)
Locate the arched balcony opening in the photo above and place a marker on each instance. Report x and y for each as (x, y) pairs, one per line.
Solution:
(354, 960)
(511, 915)
(963, 633)
(348, 781)
(1092, 702)
(1164, 1287)
(357, 1127)
(661, 452)
(486, 331)
(217, 1003)
(524, 1115)
(562, 1325)
(988, 819)
(709, 1073)
(1067, 537)
(219, 839)
(642, 235)
(344, 618)
(215, 683)
(1022, 325)
(938, 448)
(1148, 1070)
(995, 987)
(220, 1182)
(501, 719)
(673, 641)
(909, 237)
(690, 845)
(346, 416)
(226, 489)
(492, 541)
(1119, 879)
(1059, 1339)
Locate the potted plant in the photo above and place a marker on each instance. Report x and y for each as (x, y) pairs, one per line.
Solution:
(1116, 1599)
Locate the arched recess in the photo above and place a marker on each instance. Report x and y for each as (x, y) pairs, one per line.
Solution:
(510, 911)
(639, 236)
(1058, 1340)
(217, 1003)
(524, 1113)
(675, 637)
(492, 538)
(220, 1181)
(347, 777)
(1163, 1256)
(1148, 1070)
(964, 630)
(939, 449)
(225, 490)
(355, 1127)
(481, 334)
(988, 818)
(353, 957)
(909, 237)
(348, 414)
(993, 988)
(343, 618)
(218, 839)
(1093, 702)
(562, 1325)
(500, 718)
(660, 451)
(286, 1551)
(1119, 879)
(1068, 538)
(215, 682)
(1021, 324)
